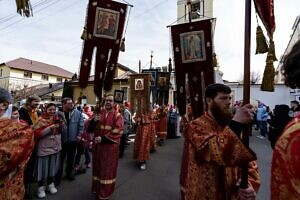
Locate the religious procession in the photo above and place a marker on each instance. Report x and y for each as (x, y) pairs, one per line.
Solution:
(176, 132)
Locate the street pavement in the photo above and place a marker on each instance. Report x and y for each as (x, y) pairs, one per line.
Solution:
(161, 179)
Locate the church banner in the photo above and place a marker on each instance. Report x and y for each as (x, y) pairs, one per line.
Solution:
(104, 29)
(153, 84)
(192, 51)
(265, 10)
(140, 93)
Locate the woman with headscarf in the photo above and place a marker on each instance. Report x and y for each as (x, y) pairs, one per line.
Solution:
(48, 136)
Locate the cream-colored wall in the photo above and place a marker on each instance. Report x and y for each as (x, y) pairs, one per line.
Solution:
(35, 76)
(119, 72)
(4, 83)
(5, 70)
(4, 79)
(89, 92)
(181, 10)
(57, 93)
(17, 79)
(208, 8)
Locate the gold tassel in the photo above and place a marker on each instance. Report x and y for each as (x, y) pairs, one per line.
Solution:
(24, 8)
(84, 34)
(269, 74)
(261, 43)
(272, 49)
(122, 45)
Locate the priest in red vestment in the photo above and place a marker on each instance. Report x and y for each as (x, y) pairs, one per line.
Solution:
(107, 134)
(213, 152)
(162, 125)
(285, 174)
(142, 140)
(16, 145)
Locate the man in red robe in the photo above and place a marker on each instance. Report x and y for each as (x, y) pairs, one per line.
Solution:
(108, 130)
(16, 145)
(162, 125)
(142, 140)
(153, 118)
(285, 174)
(213, 151)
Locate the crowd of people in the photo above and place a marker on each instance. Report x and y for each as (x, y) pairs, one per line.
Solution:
(61, 135)
(271, 123)
(216, 164)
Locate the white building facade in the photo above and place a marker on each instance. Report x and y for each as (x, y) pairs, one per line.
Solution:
(281, 95)
(295, 36)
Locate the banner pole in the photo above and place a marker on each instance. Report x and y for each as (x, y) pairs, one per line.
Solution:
(246, 84)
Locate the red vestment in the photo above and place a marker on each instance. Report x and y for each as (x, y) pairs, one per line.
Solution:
(162, 125)
(211, 159)
(142, 140)
(153, 131)
(106, 153)
(285, 177)
(16, 145)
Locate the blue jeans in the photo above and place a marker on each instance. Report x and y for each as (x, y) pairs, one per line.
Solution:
(263, 128)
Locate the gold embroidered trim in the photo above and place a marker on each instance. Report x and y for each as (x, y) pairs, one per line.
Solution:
(106, 127)
(116, 130)
(292, 128)
(286, 134)
(215, 152)
(105, 182)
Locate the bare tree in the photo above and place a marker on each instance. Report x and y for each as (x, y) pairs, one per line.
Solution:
(255, 78)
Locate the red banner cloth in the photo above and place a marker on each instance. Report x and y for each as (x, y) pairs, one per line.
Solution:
(104, 26)
(265, 11)
(192, 50)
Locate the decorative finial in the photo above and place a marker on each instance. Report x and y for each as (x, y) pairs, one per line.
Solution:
(151, 57)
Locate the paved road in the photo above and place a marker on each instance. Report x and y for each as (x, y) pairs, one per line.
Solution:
(161, 179)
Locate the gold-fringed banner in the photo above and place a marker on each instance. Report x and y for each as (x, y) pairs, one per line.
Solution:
(192, 50)
(140, 93)
(265, 11)
(104, 30)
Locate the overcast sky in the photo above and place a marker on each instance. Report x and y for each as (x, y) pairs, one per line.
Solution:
(53, 34)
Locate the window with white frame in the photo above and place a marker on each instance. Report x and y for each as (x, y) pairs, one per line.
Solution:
(45, 77)
(197, 9)
(59, 79)
(27, 74)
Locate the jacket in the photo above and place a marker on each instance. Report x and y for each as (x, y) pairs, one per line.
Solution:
(71, 131)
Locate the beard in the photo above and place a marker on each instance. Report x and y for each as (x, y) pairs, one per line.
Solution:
(222, 117)
(108, 107)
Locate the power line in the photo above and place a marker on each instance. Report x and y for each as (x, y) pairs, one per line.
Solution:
(150, 9)
(13, 15)
(64, 9)
(37, 11)
(53, 13)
